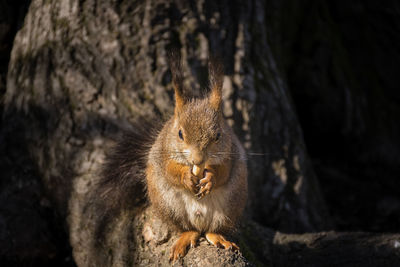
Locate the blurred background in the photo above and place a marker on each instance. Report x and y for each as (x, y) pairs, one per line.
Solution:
(340, 61)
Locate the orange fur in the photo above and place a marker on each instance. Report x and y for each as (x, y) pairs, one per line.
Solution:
(197, 134)
(221, 172)
(215, 98)
(219, 241)
(179, 100)
(180, 175)
(185, 240)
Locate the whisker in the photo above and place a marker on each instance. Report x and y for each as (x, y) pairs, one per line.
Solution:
(258, 154)
(169, 152)
(247, 153)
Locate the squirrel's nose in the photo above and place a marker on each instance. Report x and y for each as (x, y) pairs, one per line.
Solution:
(197, 162)
(197, 158)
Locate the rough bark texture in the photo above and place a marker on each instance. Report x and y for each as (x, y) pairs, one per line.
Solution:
(83, 71)
(336, 249)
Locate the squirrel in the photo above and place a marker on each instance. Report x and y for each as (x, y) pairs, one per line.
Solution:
(194, 167)
(196, 170)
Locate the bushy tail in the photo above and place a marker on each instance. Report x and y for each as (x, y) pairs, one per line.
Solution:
(121, 185)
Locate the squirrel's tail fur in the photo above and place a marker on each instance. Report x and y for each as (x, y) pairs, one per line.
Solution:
(121, 185)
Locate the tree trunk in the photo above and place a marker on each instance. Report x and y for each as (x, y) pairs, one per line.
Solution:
(336, 249)
(82, 71)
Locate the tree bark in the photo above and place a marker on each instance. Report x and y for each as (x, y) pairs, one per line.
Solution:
(82, 71)
(336, 249)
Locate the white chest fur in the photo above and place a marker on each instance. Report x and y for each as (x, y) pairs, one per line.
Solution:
(205, 214)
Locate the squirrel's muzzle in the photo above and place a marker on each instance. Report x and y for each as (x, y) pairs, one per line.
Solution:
(198, 158)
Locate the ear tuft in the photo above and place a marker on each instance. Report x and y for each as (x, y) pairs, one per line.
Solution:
(175, 65)
(216, 76)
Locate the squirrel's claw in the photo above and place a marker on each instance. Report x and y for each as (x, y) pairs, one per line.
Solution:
(204, 181)
(199, 195)
(190, 182)
(204, 189)
(220, 242)
(186, 240)
(205, 185)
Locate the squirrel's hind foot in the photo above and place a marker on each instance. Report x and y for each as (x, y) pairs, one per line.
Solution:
(179, 249)
(219, 241)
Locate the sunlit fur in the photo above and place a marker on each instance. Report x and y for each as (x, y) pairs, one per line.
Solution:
(220, 209)
(200, 125)
(200, 120)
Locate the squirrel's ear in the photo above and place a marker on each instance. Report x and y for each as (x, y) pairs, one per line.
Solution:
(174, 60)
(216, 74)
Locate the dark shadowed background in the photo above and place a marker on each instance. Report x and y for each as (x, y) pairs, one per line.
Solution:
(339, 64)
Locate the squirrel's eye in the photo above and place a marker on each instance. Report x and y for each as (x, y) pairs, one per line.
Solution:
(180, 134)
(217, 137)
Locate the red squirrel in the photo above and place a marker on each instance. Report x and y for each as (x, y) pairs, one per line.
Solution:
(196, 170)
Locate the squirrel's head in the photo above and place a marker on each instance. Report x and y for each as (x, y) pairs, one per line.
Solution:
(200, 133)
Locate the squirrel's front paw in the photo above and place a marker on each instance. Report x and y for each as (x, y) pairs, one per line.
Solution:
(190, 181)
(205, 184)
